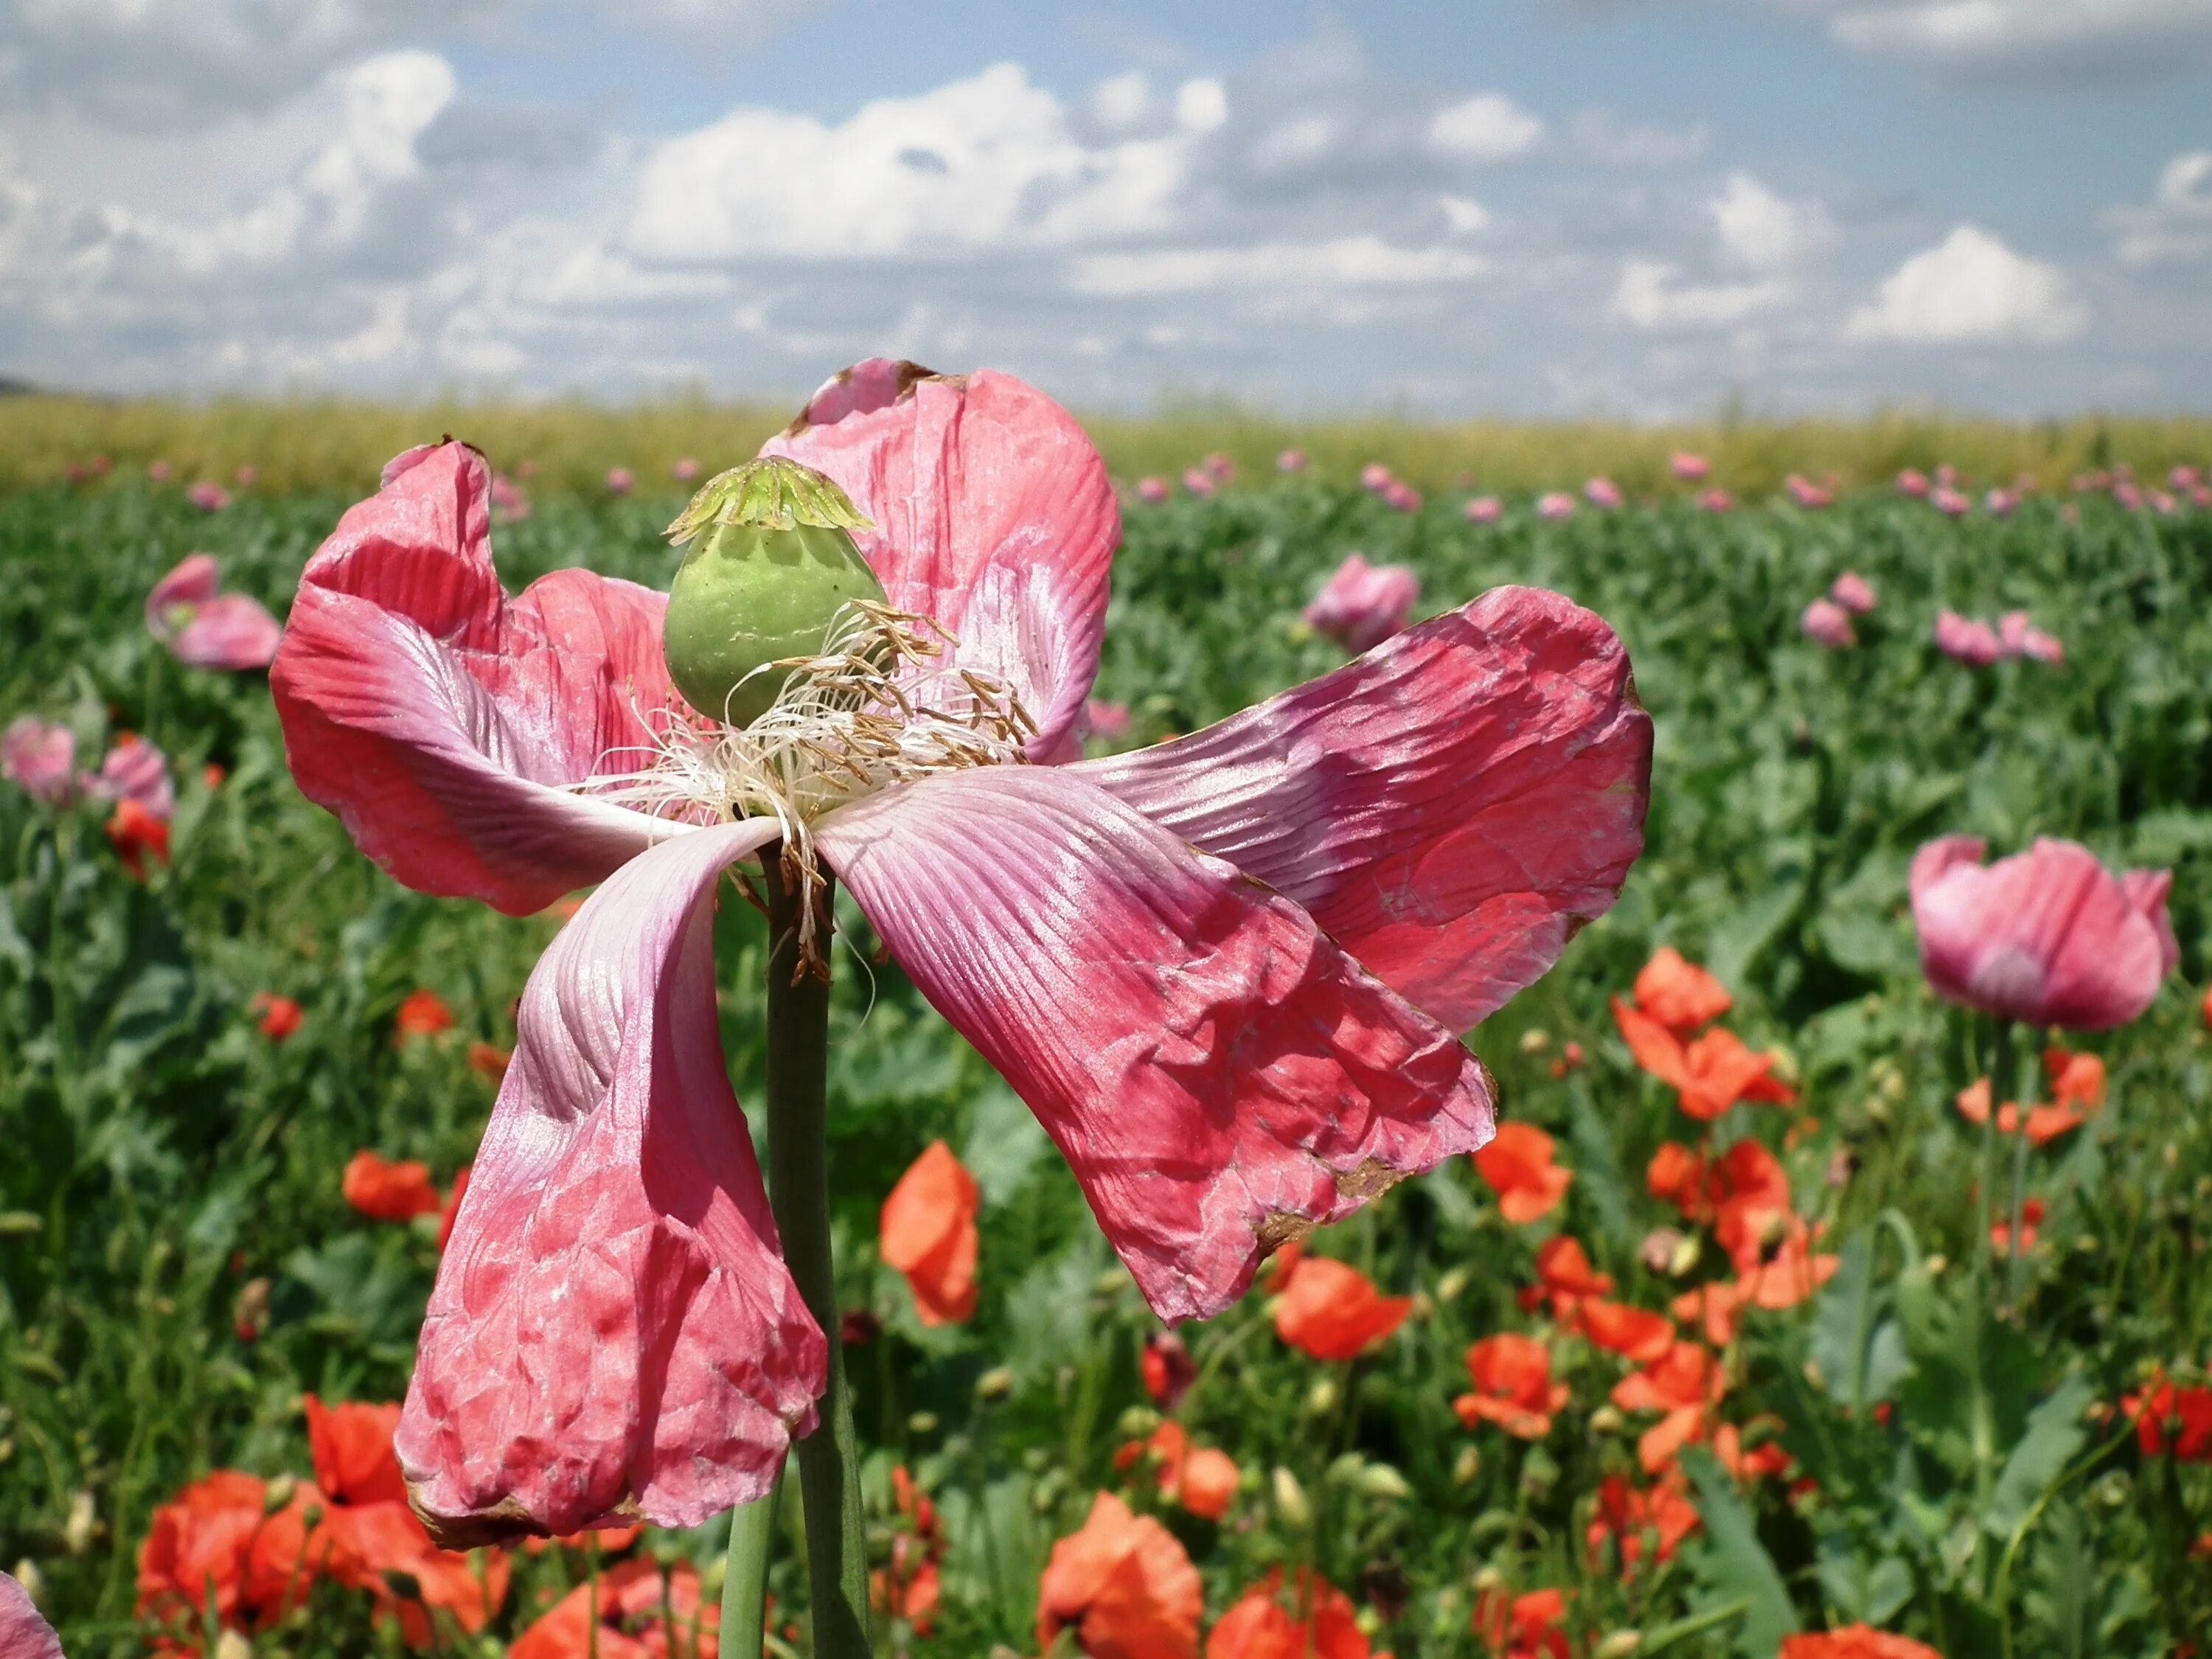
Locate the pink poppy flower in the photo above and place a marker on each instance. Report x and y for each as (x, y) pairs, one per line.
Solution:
(1153, 488)
(1364, 604)
(24, 1632)
(1108, 720)
(1199, 481)
(1291, 461)
(160, 472)
(2163, 503)
(1807, 494)
(1401, 496)
(1602, 493)
(1999, 503)
(1555, 504)
(1716, 501)
(684, 470)
(1232, 1007)
(620, 481)
(246, 476)
(41, 757)
(508, 503)
(1374, 477)
(1826, 622)
(1975, 643)
(1949, 502)
(1853, 591)
(134, 770)
(207, 629)
(1220, 466)
(2182, 477)
(2127, 495)
(1484, 509)
(2049, 936)
(1688, 467)
(1912, 482)
(2020, 639)
(208, 496)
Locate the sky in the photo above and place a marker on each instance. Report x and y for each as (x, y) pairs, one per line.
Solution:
(1634, 209)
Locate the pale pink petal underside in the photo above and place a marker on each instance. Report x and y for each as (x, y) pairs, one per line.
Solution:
(23, 1633)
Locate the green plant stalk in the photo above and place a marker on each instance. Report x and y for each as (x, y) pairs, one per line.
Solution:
(799, 1192)
(2015, 1251)
(745, 1586)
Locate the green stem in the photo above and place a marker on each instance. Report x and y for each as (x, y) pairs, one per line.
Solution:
(799, 1191)
(745, 1589)
(2000, 1068)
(2015, 1248)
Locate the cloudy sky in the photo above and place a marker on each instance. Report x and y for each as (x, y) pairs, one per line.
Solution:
(1628, 207)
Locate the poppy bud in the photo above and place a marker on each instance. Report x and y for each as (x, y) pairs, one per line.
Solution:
(922, 1422)
(33, 1582)
(1381, 1480)
(1467, 1467)
(995, 1384)
(82, 1523)
(1620, 1645)
(1137, 1422)
(1291, 1501)
(1606, 1420)
(1320, 1399)
(772, 562)
(279, 1493)
(1452, 1284)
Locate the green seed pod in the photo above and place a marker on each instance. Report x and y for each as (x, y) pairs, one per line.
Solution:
(771, 564)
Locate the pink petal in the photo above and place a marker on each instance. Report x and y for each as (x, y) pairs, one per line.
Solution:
(192, 583)
(993, 517)
(23, 1633)
(231, 631)
(440, 722)
(1450, 808)
(613, 1332)
(1361, 604)
(40, 756)
(133, 769)
(2048, 936)
(1937, 856)
(1220, 1077)
(2146, 891)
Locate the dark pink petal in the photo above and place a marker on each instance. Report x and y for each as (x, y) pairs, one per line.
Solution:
(1363, 604)
(994, 518)
(192, 583)
(2048, 936)
(133, 769)
(230, 631)
(613, 1332)
(1220, 1077)
(443, 724)
(2146, 891)
(1450, 808)
(1937, 856)
(23, 1633)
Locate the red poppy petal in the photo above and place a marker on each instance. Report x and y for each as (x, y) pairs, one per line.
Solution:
(1219, 1074)
(993, 517)
(613, 1330)
(1449, 808)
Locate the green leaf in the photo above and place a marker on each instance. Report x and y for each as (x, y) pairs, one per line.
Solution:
(1004, 1143)
(2055, 1434)
(1733, 1565)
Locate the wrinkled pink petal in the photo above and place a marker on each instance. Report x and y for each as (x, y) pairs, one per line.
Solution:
(442, 722)
(2048, 936)
(24, 1634)
(231, 631)
(40, 756)
(1450, 807)
(1363, 604)
(994, 518)
(613, 1332)
(133, 769)
(1219, 1075)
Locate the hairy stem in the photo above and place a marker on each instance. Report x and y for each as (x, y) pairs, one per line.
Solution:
(799, 1190)
(745, 1590)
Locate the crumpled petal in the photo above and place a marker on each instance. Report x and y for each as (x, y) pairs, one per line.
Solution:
(23, 1633)
(994, 518)
(1220, 1076)
(613, 1332)
(443, 723)
(1450, 808)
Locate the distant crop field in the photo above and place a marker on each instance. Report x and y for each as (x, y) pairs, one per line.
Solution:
(1787, 1378)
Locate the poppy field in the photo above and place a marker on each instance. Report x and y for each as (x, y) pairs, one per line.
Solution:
(1829, 1287)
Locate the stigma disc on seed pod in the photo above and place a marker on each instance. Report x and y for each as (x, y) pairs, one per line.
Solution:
(771, 563)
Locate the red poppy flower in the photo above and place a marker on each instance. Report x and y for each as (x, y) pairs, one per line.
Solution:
(1712, 1309)
(134, 833)
(2031, 1217)
(633, 1611)
(2077, 1079)
(1636, 1334)
(1330, 1310)
(389, 1192)
(1122, 1585)
(489, 1060)
(2044, 1123)
(1201, 1479)
(1167, 1369)
(908, 1587)
(1661, 1515)
(1786, 1271)
(928, 1233)
(609, 1540)
(1563, 1276)
(1677, 1175)
(1678, 994)
(1517, 1165)
(1744, 1465)
(2171, 1417)
(1709, 1073)
(215, 1546)
(1527, 1626)
(1854, 1642)
(1513, 1386)
(278, 1016)
(423, 1013)
(1415, 838)
(1319, 1623)
(1683, 1385)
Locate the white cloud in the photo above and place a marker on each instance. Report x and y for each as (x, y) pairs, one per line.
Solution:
(1122, 100)
(1345, 262)
(1464, 213)
(1652, 295)
(1488, 127)
(1601, 136)
(1970, 289)
(2176, 227)
(1201, 105)
(978, 163)
(1759, 230)
(2062, 39)
(1293, 144)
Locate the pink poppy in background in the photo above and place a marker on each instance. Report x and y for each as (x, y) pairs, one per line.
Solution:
(1689, 468)
(2163, 503)
(1807, 494)
(620, 480)
(1153, 488)
(1968, 641)
(1555, 504)
(1108, 720)
(1220, 466)
(2201, 496)
(2183, 477)
(246, 476)
(134, 770)
(1602, 493)
(1291, 461)
(206, 496)
(158, 471)
(1946, 475)
(1363, 604)
(207, 629)
(684, 470)
(1999, 503)
(1374, 477)
(1401, 496)
(2020, 639)
(1484, 509)
(509, 504)
(24, 1633)
(1912, 482)
(1853, 592)
(2049, 936)
(41, 755)
(1199, 481)
(1826, 622)
(2127, 495)
(1246, 951)
(1716, 501)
